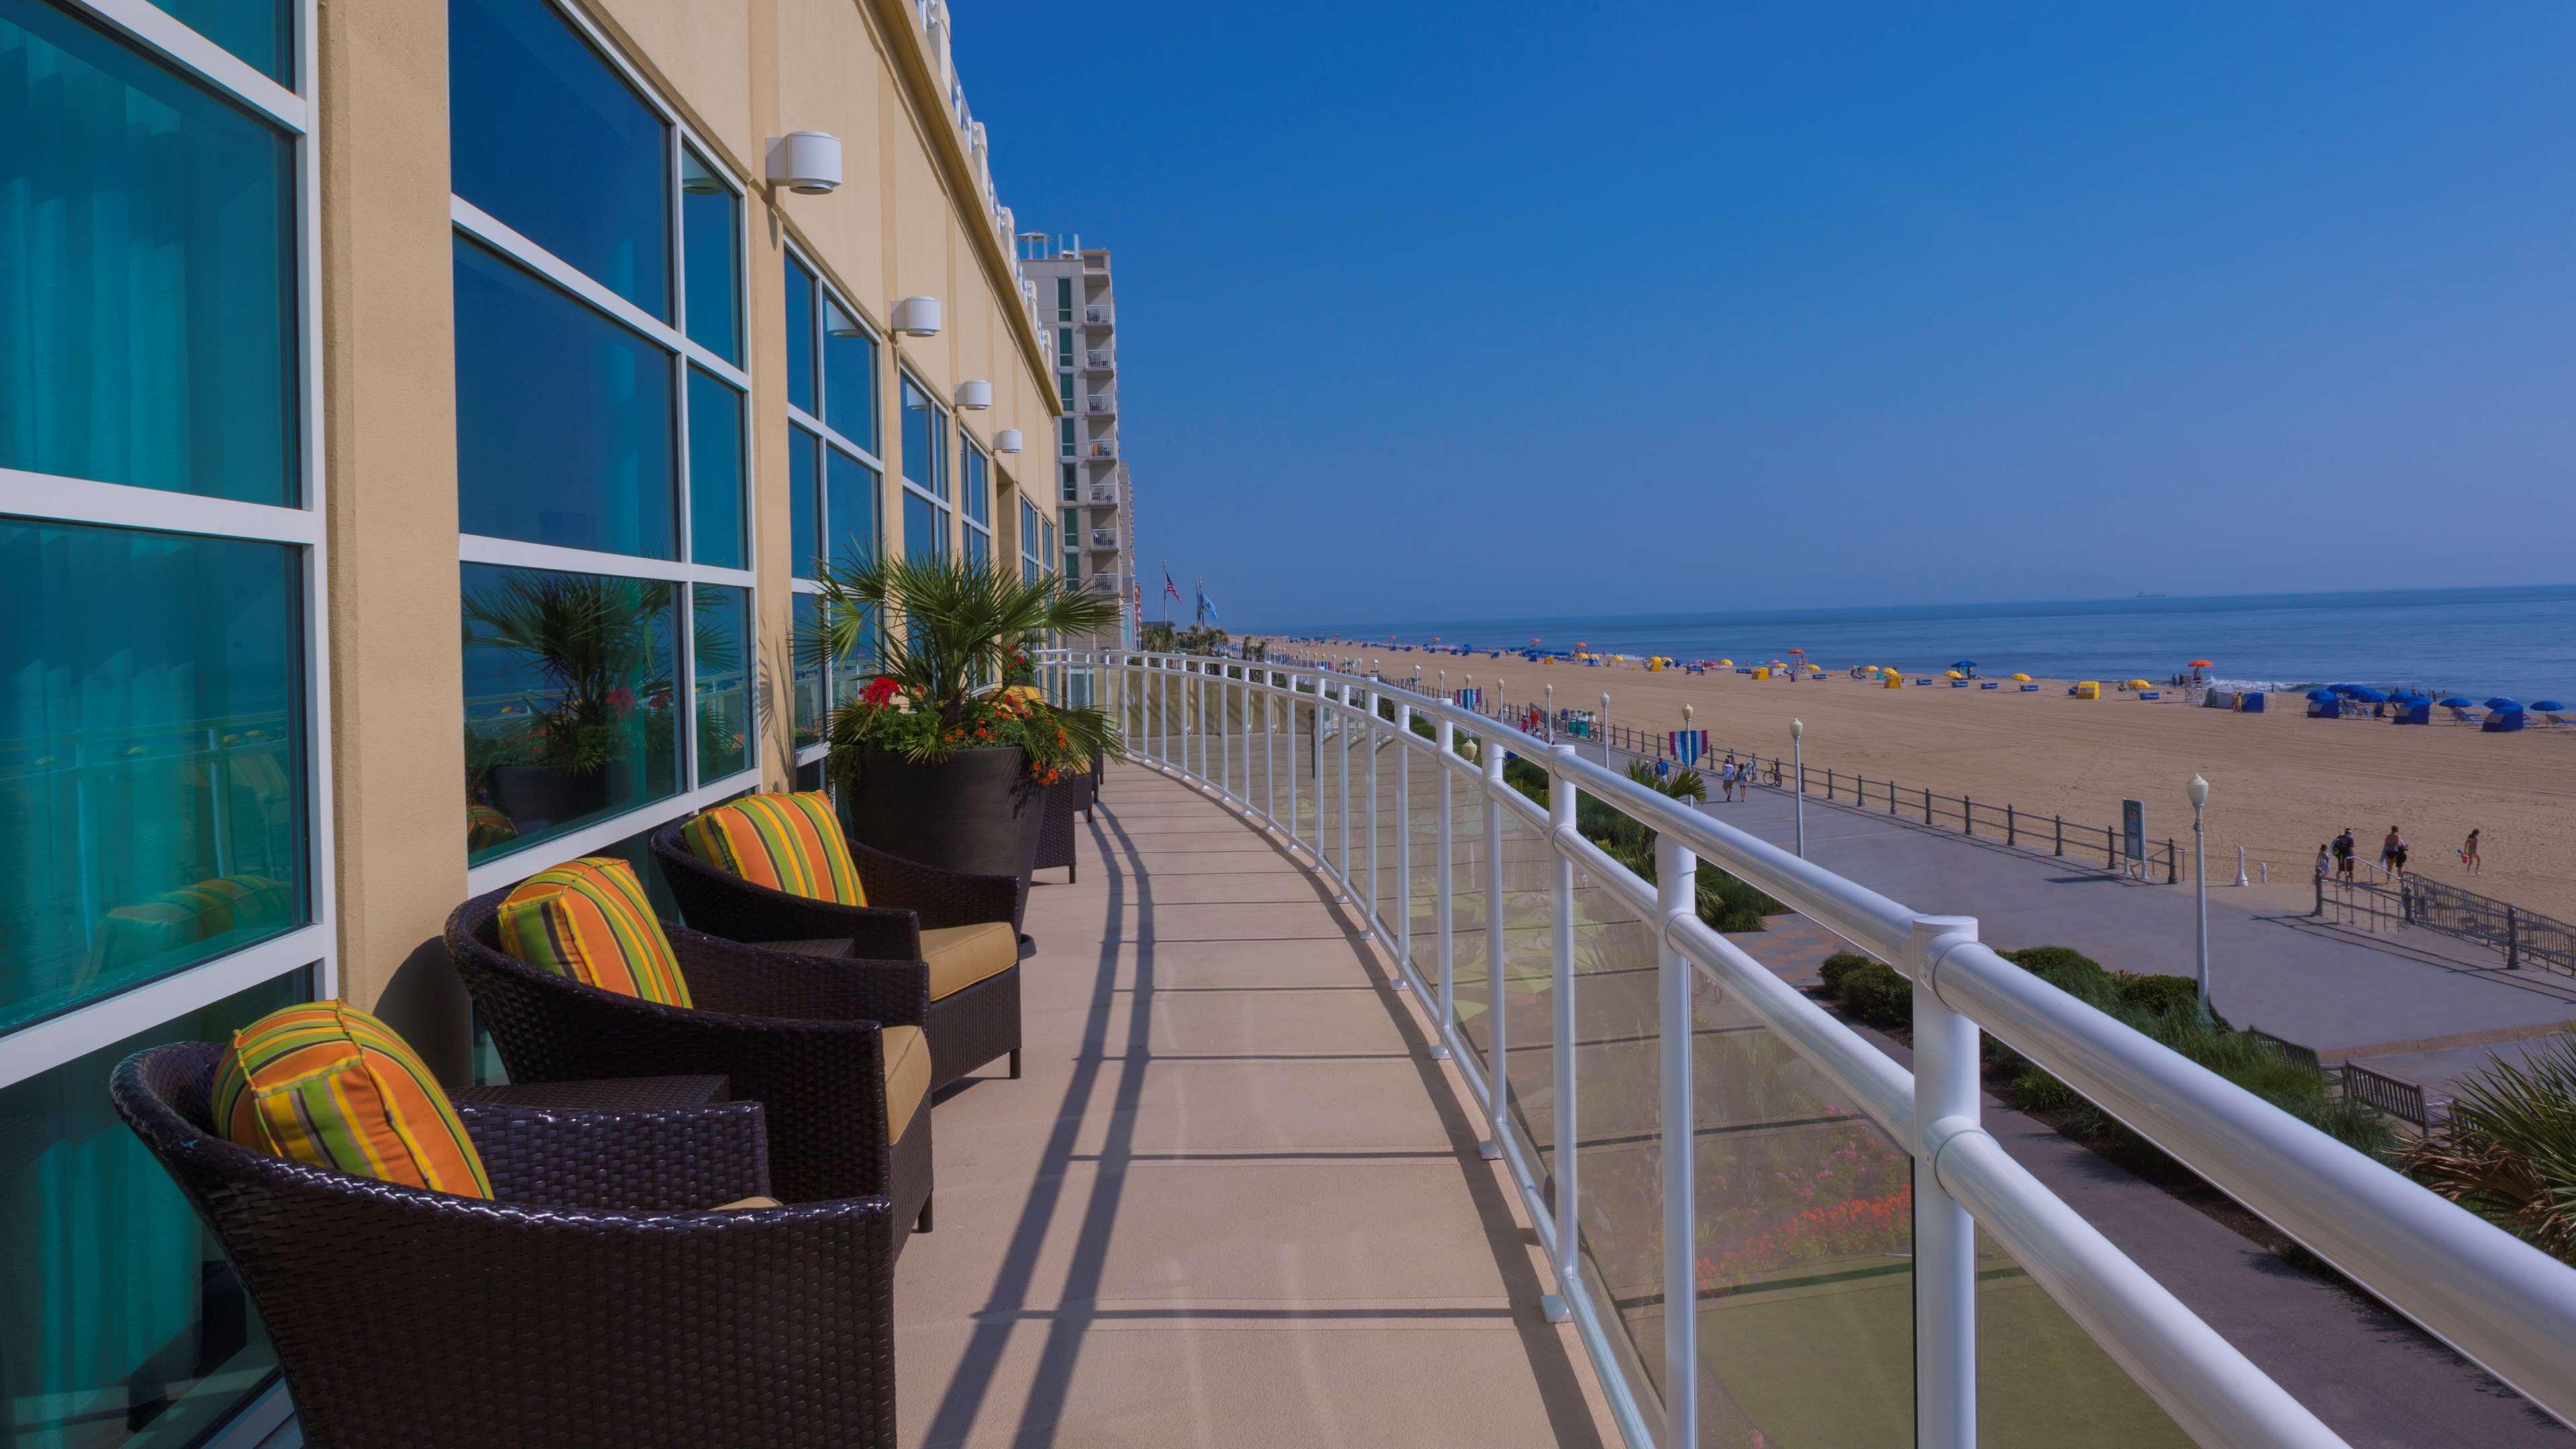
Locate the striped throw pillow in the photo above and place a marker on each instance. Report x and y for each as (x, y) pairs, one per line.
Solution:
(327, 1085)
(788, 843)
(589, 919)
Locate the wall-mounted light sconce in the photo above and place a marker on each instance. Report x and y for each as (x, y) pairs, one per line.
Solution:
(917, 316)
(808, 162)
(1007, 441)
(974, 394)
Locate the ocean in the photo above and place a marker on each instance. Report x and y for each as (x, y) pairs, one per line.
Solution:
(2479, 642)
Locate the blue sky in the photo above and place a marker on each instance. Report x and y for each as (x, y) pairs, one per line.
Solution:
(1436, 311)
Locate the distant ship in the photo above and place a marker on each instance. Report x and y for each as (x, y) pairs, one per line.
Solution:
(2153, 596)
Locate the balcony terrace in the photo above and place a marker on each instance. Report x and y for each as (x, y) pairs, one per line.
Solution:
(1858, 1278)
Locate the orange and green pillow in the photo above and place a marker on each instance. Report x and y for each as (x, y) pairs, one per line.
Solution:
(589, 919)
(788, 843)
(327, 1085)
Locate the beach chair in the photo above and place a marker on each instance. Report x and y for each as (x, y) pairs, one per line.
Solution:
(2458, 712)
(2033, 689)
(1988, 684)
(2151, 694)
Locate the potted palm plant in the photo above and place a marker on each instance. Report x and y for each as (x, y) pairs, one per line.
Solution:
(597, 648)
(943, 757)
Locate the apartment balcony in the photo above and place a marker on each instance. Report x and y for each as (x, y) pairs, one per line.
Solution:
(1667, 1117)
(1099, 359)
(1101, 405)
(1102, 584)
(1099, 316)
(1104, 450)
(1104, 538)
(1102, 495)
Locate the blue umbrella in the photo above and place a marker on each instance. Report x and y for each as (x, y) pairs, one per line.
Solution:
(1963, 664)
(2547, 706)
(2457, 701)
(2367, 696)
(2500, 702)
(2321, 695)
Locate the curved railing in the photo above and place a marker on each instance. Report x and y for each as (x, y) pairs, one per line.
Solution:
(2497, 1300)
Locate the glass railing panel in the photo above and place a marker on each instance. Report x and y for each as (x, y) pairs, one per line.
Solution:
(2042, 1381)
(1529, 977)
(1468, 913)
(1422, 878)
(1618, 1076)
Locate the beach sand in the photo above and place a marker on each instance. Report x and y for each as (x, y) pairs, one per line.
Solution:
(2280, 784)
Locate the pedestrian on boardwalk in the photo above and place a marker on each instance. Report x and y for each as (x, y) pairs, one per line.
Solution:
(1726, 779)
(2392, 853)
(2343, 852)
(2469, 853)
(2323, 865)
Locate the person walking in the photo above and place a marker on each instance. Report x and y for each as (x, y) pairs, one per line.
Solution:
(2469, 853)
(2392, 853)
(2343, 853)
(1726, 780)
(2323, 864)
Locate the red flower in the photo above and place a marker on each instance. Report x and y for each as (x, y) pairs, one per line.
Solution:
(879, 690)
(622, 699)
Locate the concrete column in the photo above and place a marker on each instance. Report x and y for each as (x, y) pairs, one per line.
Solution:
(389, 408)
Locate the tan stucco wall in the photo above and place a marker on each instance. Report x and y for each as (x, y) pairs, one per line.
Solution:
(899, 225)
(389, 381)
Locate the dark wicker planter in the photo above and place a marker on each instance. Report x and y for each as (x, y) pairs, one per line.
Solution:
(531, 794)
(978, 813)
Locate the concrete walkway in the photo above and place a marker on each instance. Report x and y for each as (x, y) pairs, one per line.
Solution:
(2418, 1005)
(1231, 1202)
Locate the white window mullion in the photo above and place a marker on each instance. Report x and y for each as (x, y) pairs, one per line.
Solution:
(511, 553)
(474, 221)
(154, 28)
(158, 510)
(96, 1025)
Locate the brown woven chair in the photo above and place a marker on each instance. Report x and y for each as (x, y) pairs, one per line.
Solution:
(970, 1026)
(799, 1035)
(594, 1301)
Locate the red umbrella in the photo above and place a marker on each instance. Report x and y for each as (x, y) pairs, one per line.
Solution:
(2202, 664)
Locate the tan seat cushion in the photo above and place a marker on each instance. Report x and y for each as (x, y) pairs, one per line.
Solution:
(907, 1076)
(960, 956)
(746, 1205)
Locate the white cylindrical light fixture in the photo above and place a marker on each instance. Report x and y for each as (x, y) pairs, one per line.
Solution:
(806, 161)
(974, 394)
(917, 316)
(1007, 441)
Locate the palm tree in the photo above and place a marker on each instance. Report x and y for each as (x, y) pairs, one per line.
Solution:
(963, 621)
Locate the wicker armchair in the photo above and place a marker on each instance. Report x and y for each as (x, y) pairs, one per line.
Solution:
(968, 1028)
(799, 1035)
(594, 1301)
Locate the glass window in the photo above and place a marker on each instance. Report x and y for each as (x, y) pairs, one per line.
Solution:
(924, 537)
(1064, 345)
(568, 701)
(1069, 483)
(711, 253)
(715, 472)
(804, 502)
(979, 485)
(800, 336)
(259, 33)
(563, 418)
(1064, 299)
(979, 547)
(1064, 439)
(850, 508)
(925, 441)
(1064, 388)
(720, 640)
(809, 711)
(147, 254)
(810, 776)
(545, 135)
(125, 1324)
(849, 377)
(152, 757)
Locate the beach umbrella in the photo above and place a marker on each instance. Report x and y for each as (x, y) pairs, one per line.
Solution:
(2023, 678)
(2322, 695)
(2500, 702)
(1963, 664)
(2202, 664)
(2367, 696)
(2547, 706)
(2456, 701)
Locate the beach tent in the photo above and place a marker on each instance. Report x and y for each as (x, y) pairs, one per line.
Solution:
(2503, 721)
(2087, 689)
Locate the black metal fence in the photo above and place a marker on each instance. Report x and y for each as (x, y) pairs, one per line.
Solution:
(2526, 938)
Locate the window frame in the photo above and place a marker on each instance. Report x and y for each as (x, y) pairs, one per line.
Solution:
(695, 791)
(826, 296)
(39, 1046)
(940, 496)
(968, 448)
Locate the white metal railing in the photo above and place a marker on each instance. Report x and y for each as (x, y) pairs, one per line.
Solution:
(1107, 450)
(1101, 402)
(1095, 316)
(1104, 492)
(2498, 1301)
(1096, 359)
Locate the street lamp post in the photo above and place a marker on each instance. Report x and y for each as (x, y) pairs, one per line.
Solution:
(1551, 714)
(1798, 781)
(1601, 727)
(2199, 790)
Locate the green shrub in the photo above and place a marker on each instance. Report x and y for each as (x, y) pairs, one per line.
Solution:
(1839, 966)
(2157, 995)
(2052, 962)
(1877, 995)
(1730, 904)
(2508, 1150)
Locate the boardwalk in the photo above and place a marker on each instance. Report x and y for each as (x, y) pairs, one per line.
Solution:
(1231, 1202)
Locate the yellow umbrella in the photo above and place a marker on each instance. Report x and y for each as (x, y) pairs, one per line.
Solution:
(2024, 678)
(1952, 674)
(1726, 664)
